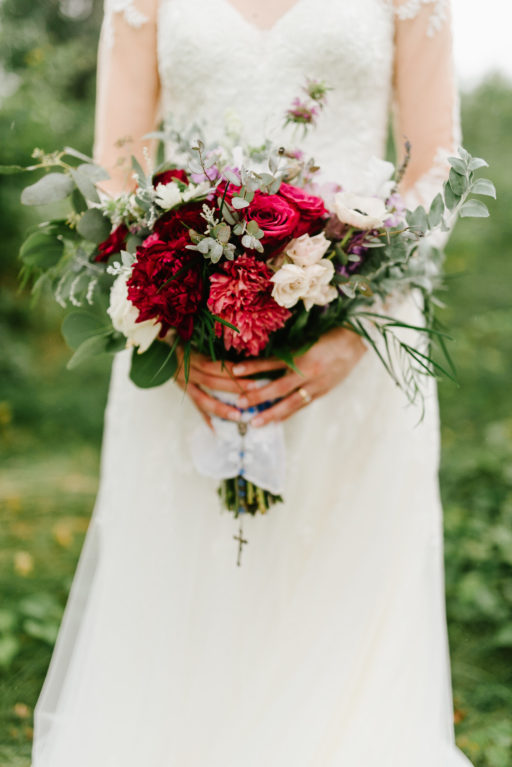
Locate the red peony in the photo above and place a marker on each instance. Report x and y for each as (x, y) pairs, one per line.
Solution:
(114, 243)
(170, 175)
(166, 285)
(242, 294)
(276, 217)
(311, 209)
(174, 226)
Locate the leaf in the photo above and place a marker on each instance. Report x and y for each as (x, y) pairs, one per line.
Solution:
(41, 250)
(483, 186)
(78, 326)
(94, 226)
(474, 209)
(85, 183)
(458, 164)
(225, 322)
(436, 211)
(78, 201)
(153, 367)
(91, 347)
(458, 183)
(450, 198)
(477, 162)
(287, 357)
(238, 203)
(75, 153)
(51, 188)
(417, 219)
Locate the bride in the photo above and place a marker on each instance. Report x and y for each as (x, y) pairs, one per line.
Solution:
(328, 647)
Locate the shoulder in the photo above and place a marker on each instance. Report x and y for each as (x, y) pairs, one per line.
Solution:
(435, 11)
(130, 14)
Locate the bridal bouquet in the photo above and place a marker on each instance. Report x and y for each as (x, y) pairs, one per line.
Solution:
(239, 252)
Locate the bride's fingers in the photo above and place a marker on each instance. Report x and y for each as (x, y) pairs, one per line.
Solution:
(274, 390)
(206, 418)
(210, 405)
(285, 408)
(250, 367)
(217, 383)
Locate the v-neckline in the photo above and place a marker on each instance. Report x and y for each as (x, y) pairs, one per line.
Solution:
(261, 30)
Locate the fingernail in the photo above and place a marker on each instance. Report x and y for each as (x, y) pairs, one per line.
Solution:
(235, 416)
(239, 370)
(242, 402)
(258, 421)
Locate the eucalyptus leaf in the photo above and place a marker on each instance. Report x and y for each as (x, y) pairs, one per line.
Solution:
(84, 183)
(458, 183)
(154, 366)
(91, 347)
(41, 250)
(78, 326)
(436, 211)
(451, 199)
(50, 188)
(458, 164)
(483, 186)
(477, 162)
(75, 153)
(94, 226)
(78, 201)
(238, 203)
(474, 209)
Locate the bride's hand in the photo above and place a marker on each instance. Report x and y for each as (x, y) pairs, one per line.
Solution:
(327, 363)
(204, 373)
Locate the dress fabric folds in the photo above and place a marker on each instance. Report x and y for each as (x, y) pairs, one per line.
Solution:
(327, 647)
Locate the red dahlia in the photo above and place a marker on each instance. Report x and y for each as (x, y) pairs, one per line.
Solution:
(241, 293)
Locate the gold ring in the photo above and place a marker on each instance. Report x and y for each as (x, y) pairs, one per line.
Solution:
(306, 396)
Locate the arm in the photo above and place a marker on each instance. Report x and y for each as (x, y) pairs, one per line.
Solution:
(426, 110)
(127, 88)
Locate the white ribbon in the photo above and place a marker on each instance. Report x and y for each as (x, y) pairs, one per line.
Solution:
(259, 455)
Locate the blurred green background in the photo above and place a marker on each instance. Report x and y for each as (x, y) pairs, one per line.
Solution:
(51, 419)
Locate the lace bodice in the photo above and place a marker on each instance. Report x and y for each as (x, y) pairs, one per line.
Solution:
(202, 60)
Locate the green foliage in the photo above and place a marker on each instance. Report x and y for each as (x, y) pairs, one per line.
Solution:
(154, 366)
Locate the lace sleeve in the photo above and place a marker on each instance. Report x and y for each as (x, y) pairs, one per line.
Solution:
(426, 108)
(127, 92)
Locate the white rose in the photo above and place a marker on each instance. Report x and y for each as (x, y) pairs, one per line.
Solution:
(360, 212)
(124, 316)
(290, 284)
(307, 250)
(168, 195)
(319, 290)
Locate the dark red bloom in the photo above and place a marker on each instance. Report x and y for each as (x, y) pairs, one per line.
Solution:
(166, 285)
(114, 243)
(174, 226)
(241, 293)
(276, 217)
(176, 174)
(311, 209)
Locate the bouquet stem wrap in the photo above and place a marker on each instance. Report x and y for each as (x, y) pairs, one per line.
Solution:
(250, 462)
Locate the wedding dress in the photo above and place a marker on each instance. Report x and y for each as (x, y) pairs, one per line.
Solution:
(327, 647)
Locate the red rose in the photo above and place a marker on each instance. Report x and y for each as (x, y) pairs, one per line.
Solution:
(114, 243)
(174, 226)
(166, 285)
(311, 209)
(276, 217)
(241, 293)
(170, 175)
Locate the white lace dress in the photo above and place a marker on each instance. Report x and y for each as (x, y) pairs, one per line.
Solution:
(328, 647)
